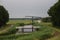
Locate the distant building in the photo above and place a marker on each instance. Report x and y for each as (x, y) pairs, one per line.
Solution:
(39, 21)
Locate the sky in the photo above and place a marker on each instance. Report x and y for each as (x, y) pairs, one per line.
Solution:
(22, 8)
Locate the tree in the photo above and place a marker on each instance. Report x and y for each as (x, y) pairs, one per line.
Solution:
(46, 19)
(54, 12)
(4, 16)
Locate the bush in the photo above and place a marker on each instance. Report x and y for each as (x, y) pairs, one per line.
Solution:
(12, 30)
(20, 24)
(45, 36)
(28, 24)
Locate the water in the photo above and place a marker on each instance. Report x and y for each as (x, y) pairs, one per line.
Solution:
(26, 28)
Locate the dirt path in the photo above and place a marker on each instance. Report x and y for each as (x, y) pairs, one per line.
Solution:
(5, 29)
(56, 33)
(56, 36)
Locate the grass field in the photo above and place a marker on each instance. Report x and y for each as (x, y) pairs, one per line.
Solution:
(57, 37)
(44, 32)
(19, 21)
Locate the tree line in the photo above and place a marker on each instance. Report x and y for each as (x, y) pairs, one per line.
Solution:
(54, 12)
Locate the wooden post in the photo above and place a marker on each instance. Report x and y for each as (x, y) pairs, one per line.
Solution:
(32, 24)
(22, 30)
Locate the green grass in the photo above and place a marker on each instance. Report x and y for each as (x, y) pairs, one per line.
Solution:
(19, 21)
(42, 34)
(55, 38)
(46, 30)
(54, 28)
(5, 28)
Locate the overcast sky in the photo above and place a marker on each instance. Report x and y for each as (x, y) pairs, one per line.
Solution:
(22, 8)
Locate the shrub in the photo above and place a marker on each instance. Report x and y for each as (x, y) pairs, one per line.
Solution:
(20, 24)
(28, 24)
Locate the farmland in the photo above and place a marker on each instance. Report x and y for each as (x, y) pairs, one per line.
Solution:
(19, 21)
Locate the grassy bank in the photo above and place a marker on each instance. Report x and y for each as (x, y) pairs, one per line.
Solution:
(43, 33)
(57, 37)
